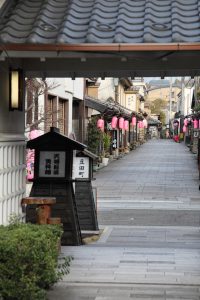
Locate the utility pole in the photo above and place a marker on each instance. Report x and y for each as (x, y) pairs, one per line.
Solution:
(182, 106)
(195, 88)
(170, 100)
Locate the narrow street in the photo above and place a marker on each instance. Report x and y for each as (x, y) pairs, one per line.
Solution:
(149, 212)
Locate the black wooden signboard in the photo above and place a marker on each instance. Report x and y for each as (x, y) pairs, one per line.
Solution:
(83, 191)
(53, 177)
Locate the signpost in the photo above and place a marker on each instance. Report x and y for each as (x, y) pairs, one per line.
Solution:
(54, 154)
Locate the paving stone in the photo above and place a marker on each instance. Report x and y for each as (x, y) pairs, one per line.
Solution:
(149, 210)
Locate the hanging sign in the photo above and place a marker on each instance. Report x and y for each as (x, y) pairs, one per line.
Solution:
(52, 164)
(114, 139)
(109, 126)
(81, 167)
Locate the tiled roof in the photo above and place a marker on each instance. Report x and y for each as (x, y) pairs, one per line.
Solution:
(95, 104)
(108, 107)
(100, 21)
(152, 121)
(159, 87)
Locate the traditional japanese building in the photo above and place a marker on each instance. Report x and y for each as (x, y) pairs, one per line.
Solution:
(93, 39)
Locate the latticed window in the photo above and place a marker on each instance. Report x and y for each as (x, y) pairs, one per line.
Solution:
(56, 113)
(51, 112)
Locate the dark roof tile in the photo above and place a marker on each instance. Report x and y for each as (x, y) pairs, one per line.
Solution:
(100, 21)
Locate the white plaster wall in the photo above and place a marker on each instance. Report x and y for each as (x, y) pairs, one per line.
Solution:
(12, 179)
(12, 154)
(106, 89)
(131, 101)
(59, 91)
(188, 93)
(41, 110)
(73, 88)
(142, 105)
(66, 88)
(121, 95)
(142, 87)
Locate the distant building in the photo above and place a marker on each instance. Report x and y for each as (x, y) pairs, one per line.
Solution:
(184, 104)
(163, 92)
(54, 102)
(159, 83)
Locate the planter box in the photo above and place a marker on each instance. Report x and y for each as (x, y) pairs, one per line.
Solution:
(105, 160)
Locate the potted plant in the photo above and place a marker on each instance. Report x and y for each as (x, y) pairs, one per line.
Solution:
(106, 147)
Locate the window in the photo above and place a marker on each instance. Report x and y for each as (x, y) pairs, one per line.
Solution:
(63, 115)
(51, 112)
(56, 114)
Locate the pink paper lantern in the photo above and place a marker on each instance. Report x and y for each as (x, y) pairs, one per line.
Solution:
(30, 157)
(33, 134)
(100, 124)
(121, 123)
(185, 122)
(114, 122)
(196, 124)
(133, 121)
(199, 123)
(140, 124)
(126, 125)
(184, 128)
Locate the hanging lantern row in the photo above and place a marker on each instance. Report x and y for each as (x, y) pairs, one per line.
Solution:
(195, 122)
(123, 124)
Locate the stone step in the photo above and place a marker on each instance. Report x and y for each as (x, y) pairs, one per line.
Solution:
(124, 291)
(149, 217)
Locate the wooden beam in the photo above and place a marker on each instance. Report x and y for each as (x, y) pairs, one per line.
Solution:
(102, 47)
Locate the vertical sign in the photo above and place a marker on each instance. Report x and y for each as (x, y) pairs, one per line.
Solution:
(114, 139)
(52, 164)
(81, 167)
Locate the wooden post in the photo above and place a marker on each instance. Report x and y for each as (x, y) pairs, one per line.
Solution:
(43, 207)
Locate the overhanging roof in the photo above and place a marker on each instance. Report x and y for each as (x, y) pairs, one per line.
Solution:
(102, 37)
(102, 21)
(109, 108)
(95, 104)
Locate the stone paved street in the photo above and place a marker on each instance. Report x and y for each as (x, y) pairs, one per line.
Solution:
(149, 212)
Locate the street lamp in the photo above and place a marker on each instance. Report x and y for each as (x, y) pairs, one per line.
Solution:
(15, 89)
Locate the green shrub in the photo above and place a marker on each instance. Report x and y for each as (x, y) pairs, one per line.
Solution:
(29, 260)
(94, 135)
(106, 143)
